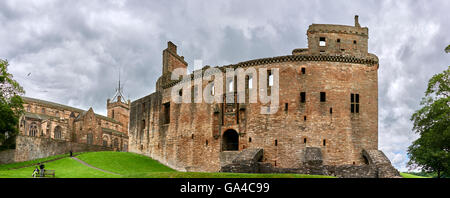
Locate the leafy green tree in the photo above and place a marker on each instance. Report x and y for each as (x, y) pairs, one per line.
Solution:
(11, 106)
(430, 151)
(447, 49)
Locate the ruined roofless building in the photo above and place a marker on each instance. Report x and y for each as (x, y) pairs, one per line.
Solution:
(328, 101)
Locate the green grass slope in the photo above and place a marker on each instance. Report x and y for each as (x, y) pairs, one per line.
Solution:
(123, 163)
(129, 165)
(64, 168)
(406, 175)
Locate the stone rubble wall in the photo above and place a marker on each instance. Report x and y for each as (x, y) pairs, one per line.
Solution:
(7, 156)
(247, 162)
(30, 148)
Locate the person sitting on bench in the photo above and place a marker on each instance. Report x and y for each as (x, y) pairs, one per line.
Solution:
(35, 172)
(42, 167)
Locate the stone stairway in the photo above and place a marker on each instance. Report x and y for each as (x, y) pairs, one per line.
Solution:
(245, 161)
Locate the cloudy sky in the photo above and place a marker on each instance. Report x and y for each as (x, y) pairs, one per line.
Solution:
(70, 52)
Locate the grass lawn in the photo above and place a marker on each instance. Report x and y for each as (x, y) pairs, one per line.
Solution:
(64, 168)
(129, 165)
(406, 175)
(221, 175)
(29, 163)
(123, 163)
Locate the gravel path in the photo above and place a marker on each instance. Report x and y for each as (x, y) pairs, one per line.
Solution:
(86, 164)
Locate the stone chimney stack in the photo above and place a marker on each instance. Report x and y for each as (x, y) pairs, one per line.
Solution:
(357, 21)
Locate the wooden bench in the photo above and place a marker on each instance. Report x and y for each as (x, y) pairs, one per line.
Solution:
(49, 172)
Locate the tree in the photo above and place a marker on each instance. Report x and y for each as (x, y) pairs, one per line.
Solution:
(430, 151)
(11, 106)
(447, 49)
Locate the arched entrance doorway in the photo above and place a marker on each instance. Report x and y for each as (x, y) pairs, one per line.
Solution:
(230, 140)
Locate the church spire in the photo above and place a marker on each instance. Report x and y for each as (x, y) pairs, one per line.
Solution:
(118, 96)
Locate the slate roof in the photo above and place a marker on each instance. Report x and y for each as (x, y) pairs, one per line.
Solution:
(65, 107)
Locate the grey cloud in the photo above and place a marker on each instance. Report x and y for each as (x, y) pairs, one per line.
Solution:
(75, 49)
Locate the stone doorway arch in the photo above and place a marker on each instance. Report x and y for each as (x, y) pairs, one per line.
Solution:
(230, 140)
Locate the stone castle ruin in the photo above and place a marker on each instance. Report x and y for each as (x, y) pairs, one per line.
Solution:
(326, 123)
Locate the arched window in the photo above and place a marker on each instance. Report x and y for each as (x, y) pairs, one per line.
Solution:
(90, 138)
(57, 132)
(33, 129)
(116, 143)
(105, 141)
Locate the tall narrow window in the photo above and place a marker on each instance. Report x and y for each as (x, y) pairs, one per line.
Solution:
(322, 42)
(354, 103)
(324, 142)
(270, 78)
(323, 97)
(166, 113)
(303, 97)
(303, 70)
(212, 89)
(250, 82)
(230, 85)
(276, 142)
(90, 138)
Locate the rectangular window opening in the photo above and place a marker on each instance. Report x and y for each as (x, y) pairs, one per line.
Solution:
(303, 97)
(322, 42)
(354, 103)
(166, 112)
(322, 97)
(270, 78)
(303, 70)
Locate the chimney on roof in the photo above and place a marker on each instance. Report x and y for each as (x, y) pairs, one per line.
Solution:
(357, 21)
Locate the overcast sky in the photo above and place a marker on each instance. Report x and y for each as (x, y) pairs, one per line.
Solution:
(70, 52)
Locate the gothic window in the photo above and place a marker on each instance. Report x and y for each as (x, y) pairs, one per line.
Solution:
(90, 138)
(33, 129)
(57, 132)
(250, 82)
(105, 141)
(116, 143)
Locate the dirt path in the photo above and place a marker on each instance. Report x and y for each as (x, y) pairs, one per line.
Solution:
(86, 164)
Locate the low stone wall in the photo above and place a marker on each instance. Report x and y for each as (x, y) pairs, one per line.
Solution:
(249, 161)
(7, 156)
(30, 148)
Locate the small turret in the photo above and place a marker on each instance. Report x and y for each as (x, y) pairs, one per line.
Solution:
(327, 39)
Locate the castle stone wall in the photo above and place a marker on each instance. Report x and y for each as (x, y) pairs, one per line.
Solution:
(30, 148)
